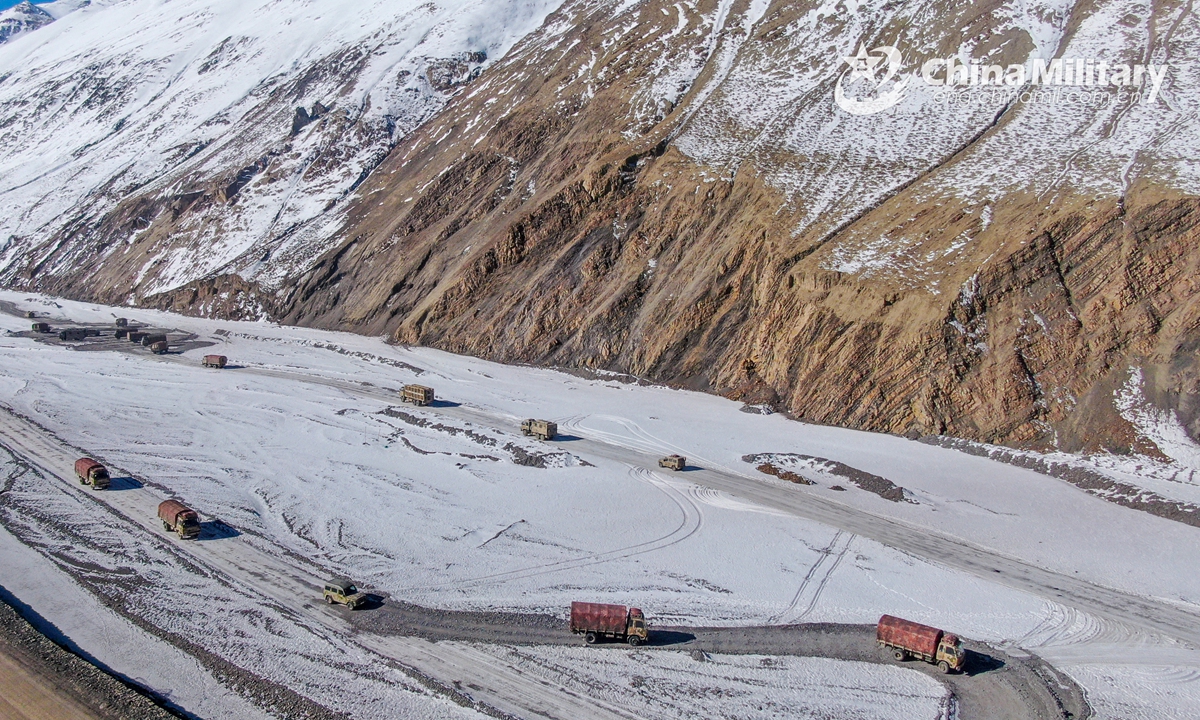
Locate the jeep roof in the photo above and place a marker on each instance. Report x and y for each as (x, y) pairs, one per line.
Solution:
(342, 584)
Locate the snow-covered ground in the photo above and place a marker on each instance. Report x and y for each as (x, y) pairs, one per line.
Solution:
(304, 445)
(100, 633)
(667, 685)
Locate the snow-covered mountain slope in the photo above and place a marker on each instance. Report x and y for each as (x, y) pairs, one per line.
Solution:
(25, 17)
(668, 189)
(22, 18)
(253, 118)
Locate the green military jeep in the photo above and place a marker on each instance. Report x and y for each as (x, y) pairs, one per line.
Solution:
(341, 590)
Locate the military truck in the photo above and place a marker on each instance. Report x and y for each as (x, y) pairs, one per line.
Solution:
(214, 361)
(543, 429)
(41, 327)
(135, 336)
(121, 333)
(674, 462)
(160, 347)
(121, 322)
(151, 338)
(179, 519)
(416, 394)
(909, 639)
(73, 334)
(92, 473)
(341, 590)
(29, 315)
(598, 620)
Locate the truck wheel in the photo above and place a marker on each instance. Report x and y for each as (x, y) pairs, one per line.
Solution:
(900, 655)
(166, 526)
(944, 667)
(590, 638)
(633, 640)
(328, 600)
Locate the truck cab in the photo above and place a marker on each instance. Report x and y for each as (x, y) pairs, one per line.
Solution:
(342, 591)
(636, 632)
(950, 652)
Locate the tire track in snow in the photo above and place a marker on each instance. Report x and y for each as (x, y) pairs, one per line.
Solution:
(838, 546)
(288, 585)
(693, 519)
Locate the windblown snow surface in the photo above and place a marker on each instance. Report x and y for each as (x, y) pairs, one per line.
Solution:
(303, 446)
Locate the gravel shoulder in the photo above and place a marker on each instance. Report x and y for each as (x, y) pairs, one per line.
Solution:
(40, 680)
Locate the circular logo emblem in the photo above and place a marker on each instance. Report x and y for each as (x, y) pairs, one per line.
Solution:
(861, 91)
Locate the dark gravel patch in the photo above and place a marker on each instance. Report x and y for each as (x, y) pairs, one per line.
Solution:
(881, 486)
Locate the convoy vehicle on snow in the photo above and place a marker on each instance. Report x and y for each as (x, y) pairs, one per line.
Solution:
(674, 462)
(341, 590)
(160, 347)
(150, 339)
(543, 429)
(179, 519)
(598, 620)
(92, 473)
(909, 639)
(416, 394)
(214, 361)
(121, 322)
(73, 334)
(121, 333)
(30, 315)
(41, 327)
(135, 336)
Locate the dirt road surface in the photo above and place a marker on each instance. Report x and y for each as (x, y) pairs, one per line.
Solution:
(41, 681)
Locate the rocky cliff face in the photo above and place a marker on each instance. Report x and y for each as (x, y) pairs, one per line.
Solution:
(670, 190)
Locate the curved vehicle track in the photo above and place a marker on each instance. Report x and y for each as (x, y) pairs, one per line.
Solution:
(999, 685)
(690, 523)
(995, 682)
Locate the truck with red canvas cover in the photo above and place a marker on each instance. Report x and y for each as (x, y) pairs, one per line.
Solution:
(598, 620)
(909, 639)
(214, 361)
(92, 473)
(179, 519)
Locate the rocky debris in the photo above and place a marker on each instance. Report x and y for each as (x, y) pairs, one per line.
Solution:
(108, 695)
(788, 475)
(1091, 481)
(303, 117)
(521, 456)
(870, 482)
(448, 74)
(518, 454)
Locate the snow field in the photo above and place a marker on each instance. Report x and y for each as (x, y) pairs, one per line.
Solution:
(671, 685)
(106, 636)
(295, 447)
